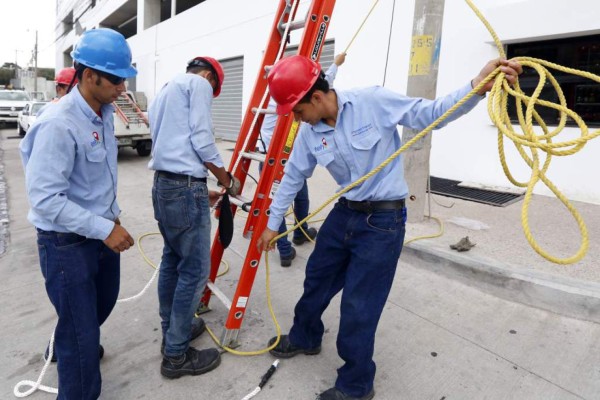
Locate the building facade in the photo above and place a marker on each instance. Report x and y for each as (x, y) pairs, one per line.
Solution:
(165, 34)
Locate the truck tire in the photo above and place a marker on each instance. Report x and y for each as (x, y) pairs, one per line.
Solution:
(143, 149)
(21, 130)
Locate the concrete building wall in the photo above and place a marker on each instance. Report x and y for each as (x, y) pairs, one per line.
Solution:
(465, 150)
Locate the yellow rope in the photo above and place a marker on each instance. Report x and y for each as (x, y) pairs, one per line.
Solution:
(529, 139)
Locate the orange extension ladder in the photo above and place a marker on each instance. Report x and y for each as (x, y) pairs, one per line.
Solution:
(311, 44)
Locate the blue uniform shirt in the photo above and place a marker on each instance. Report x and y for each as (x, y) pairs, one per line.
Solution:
(268, 125)
(70, 160)
(181, 127)
(365, 135)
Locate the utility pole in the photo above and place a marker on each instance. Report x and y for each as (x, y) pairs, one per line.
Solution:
(422, 81)
(35, 57)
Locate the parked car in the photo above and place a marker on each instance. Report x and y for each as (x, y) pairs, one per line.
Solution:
(28, 115)
(11, 102)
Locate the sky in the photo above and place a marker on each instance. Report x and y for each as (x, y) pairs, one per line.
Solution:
(20, 20)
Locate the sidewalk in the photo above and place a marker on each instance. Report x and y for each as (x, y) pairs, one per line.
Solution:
(439, 338)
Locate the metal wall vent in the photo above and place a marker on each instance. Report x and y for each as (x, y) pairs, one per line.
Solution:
(450, 188)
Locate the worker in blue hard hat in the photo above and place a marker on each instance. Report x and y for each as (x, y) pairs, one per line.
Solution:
(70, 160)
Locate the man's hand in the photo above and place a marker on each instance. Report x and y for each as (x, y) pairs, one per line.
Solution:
(119, 239)
(512, 69)
(214, 196)
(265, 239)
(234, 186)
(339, 59)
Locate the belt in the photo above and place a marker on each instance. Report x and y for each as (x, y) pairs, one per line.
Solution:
(370, 206)
(179, 177)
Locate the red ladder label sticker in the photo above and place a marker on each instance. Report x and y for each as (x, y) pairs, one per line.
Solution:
(241, 302)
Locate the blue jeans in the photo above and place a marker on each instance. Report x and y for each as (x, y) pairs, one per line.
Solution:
(82, 281)
(301, 206)
(183, 214)
(356, 252)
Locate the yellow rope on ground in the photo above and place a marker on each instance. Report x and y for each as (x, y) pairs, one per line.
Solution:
(497, 109)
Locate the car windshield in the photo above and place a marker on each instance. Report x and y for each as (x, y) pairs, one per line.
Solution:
(14, 96)
(36, 107)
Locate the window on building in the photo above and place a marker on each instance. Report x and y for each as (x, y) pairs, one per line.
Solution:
(582, 95)
(183, 5)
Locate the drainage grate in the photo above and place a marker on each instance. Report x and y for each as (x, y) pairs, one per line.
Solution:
(450, 188)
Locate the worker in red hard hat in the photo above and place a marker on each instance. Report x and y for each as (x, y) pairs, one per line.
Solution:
(65, 79)
(357, 250)
(183, 153)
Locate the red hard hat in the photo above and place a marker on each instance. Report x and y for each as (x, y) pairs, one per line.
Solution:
(202, 61)
(290, 79)
(65, 76)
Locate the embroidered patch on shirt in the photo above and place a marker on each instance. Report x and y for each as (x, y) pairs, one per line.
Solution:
(96, 139)
(322, 146)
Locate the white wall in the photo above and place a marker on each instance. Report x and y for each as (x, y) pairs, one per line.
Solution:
(466, 149)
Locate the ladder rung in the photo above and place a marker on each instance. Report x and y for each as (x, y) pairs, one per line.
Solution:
(260, 157)
(294, 25)
(220, 295)
(264, 110)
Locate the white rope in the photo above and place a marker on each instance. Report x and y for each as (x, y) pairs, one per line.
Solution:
(252, 394)
(37, 385)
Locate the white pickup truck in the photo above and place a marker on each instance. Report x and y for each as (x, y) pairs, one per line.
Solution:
(11, 102)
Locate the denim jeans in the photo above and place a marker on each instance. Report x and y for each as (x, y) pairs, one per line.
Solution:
(301, 206)
(82, 281)
(356, 252)
(183, 214)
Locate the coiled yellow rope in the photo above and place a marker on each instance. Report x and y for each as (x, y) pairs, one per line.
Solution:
(528, 139)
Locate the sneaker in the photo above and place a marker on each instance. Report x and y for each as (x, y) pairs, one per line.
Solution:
(336, 394)
(286, 261)
(198, 327)
(285, 349)
(53, 360)
(192, 362)
(300, 240)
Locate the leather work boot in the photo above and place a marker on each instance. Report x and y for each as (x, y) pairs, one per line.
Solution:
(192, 362)
(336, 394)
(198, 328)
(285, 349)
(311, 232)
(286, 261)
(54, 359)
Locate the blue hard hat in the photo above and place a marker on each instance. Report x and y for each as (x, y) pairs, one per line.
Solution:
(105, 50)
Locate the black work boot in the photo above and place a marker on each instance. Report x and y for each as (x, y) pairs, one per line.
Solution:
(300, 240)
(286, 261)
(285, 349)
(336, 394)
(192, 362)
(198, 328)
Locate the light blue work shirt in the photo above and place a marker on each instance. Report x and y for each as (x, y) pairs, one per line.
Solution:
(365, 135)
(270, 120)
(70, 160)
(181, 127)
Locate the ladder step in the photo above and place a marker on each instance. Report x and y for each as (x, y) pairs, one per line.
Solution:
(241, 202)
(220, 295)
(264, 110)
(260, 157)
(294, 25)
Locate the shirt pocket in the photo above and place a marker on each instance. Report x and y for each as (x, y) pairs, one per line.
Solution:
(325, 158)
(366, 141)
(95, 155)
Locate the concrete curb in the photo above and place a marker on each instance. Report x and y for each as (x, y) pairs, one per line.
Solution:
(562, 295)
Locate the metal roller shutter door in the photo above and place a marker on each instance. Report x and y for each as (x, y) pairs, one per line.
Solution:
(227, 108)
